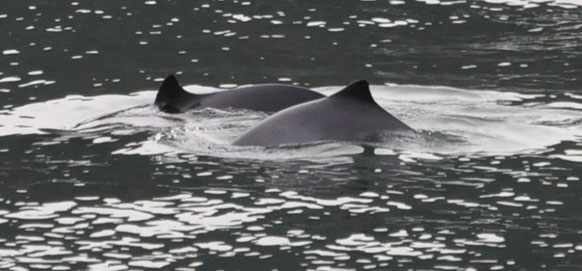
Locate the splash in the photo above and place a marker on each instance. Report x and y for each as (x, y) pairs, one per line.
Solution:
(450, 121)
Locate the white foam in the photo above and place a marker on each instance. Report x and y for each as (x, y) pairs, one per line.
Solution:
(479, 122)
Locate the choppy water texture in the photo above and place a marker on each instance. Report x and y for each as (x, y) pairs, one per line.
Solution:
(93, 178)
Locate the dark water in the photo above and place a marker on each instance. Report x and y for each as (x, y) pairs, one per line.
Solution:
(93, 178)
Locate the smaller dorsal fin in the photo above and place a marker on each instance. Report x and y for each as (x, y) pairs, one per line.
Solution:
(171, 95)
(170, 89)
(356, 90)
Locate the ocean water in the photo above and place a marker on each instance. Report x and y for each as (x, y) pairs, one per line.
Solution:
(92, 177)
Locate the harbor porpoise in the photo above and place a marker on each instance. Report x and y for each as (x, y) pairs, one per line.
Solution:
(348, 115)
(172, 98)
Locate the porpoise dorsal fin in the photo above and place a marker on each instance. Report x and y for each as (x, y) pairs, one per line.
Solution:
(359, 90)
(169, 94)
(169, 90)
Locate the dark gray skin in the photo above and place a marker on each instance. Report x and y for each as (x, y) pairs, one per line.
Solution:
(349, 115)
(172, 98)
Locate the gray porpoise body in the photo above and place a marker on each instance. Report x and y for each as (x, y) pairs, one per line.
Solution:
(351, 114)
(172, 98)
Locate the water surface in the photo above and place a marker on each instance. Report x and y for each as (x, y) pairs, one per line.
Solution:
(94, 178)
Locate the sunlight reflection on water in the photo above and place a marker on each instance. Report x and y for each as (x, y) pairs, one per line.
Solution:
(97, 181)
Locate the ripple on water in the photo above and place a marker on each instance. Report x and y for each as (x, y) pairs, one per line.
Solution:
(452, 120)
(451, 200)
(45, 211)
(183, 226)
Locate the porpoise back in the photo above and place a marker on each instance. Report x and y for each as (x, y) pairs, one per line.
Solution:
(348, 115)
(172, 98)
